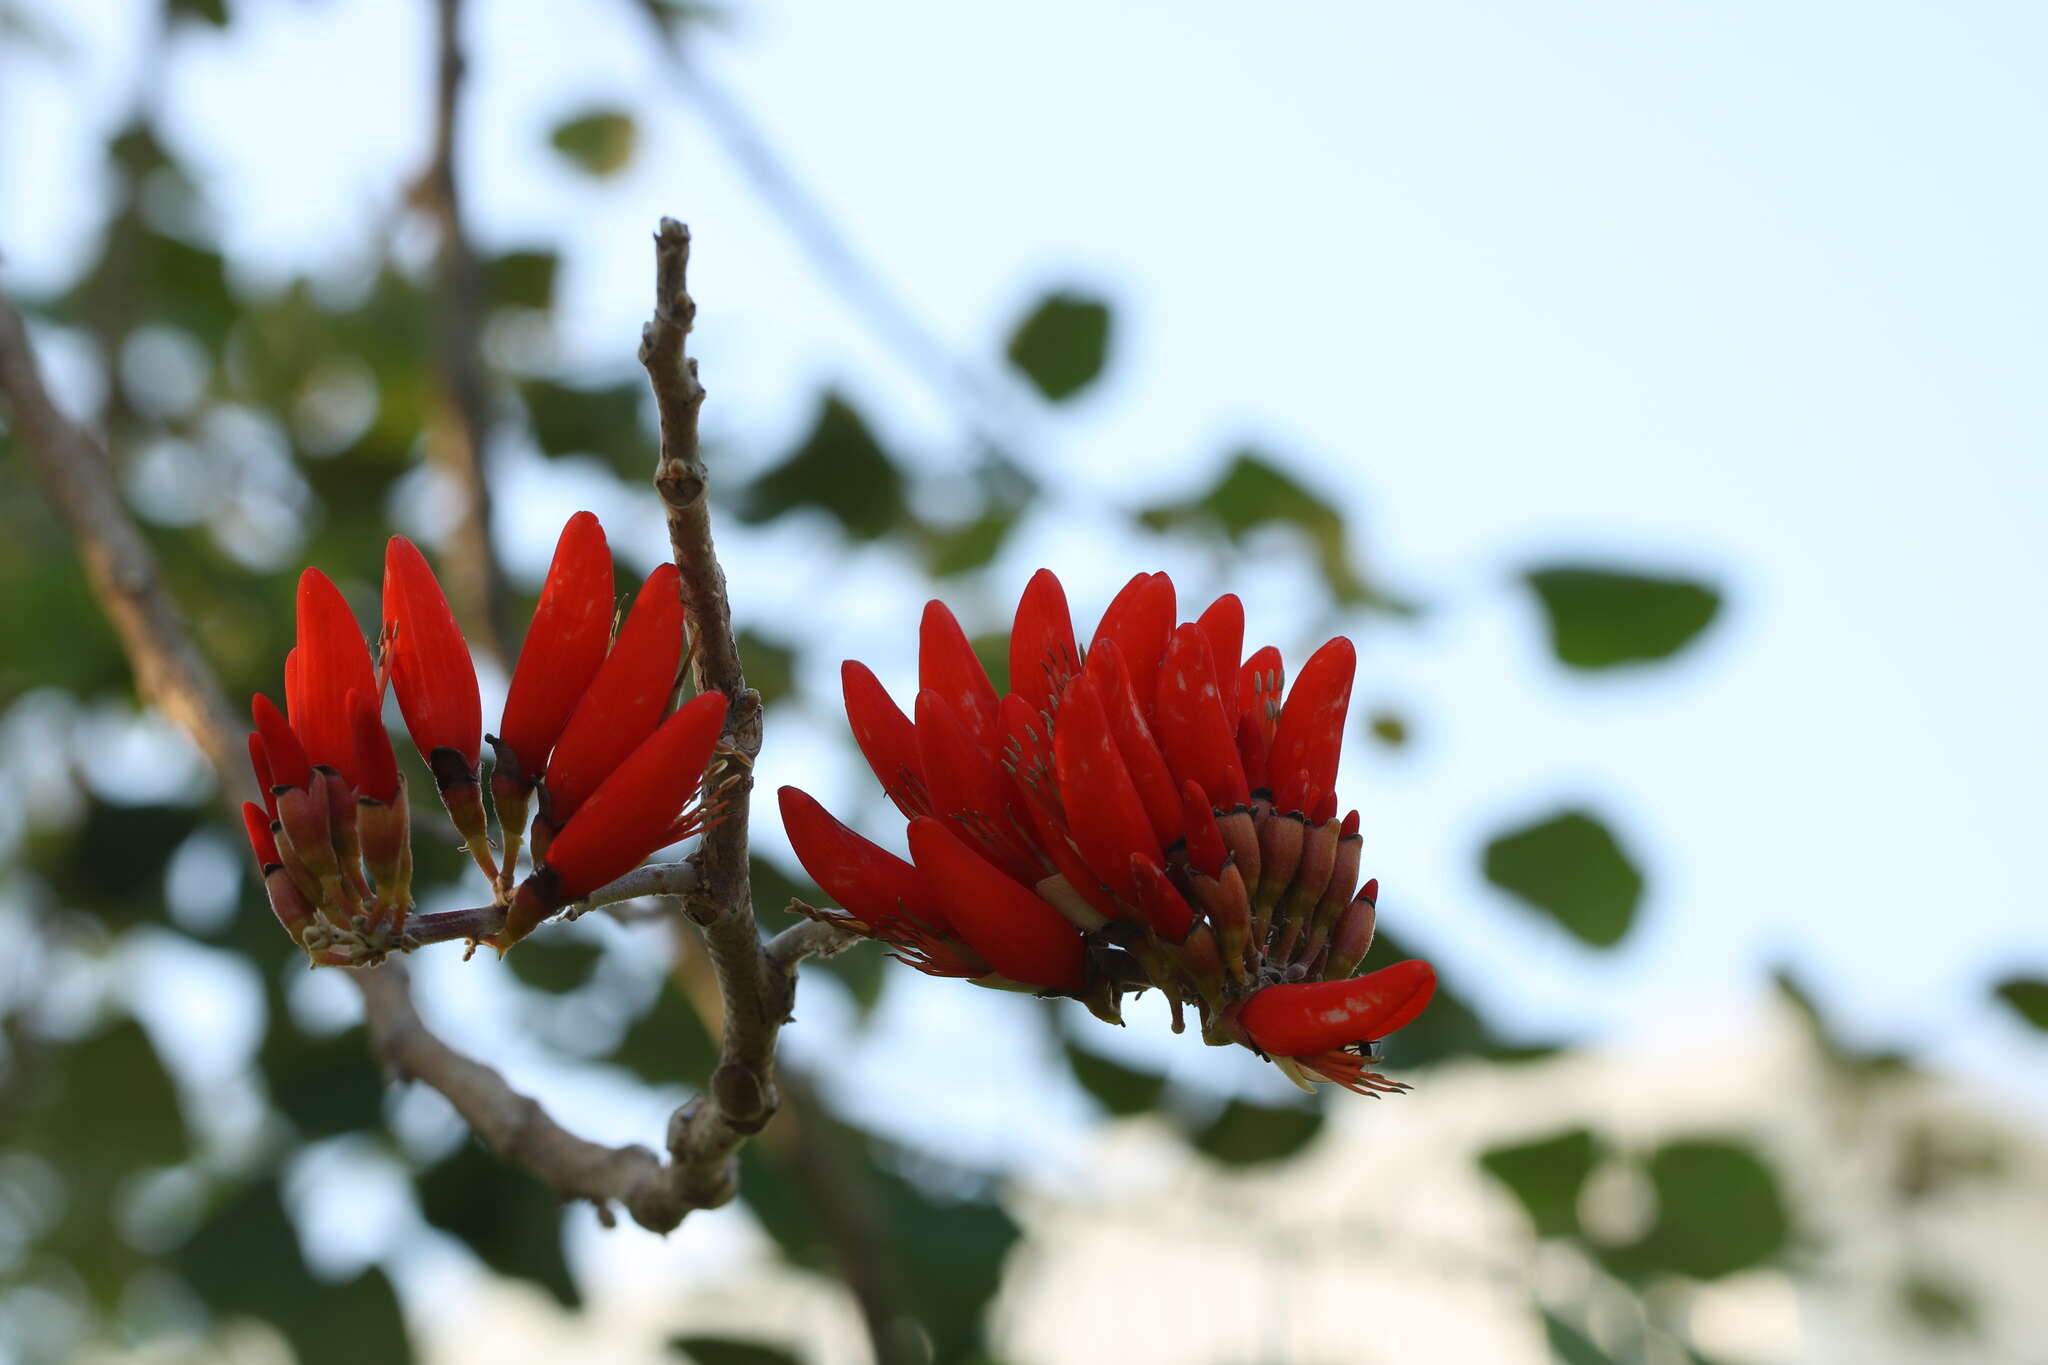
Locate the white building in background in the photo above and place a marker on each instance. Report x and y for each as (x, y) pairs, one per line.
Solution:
(1385, 1242)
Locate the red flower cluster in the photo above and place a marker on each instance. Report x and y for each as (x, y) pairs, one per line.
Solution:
(1149, 813)
(586, 725)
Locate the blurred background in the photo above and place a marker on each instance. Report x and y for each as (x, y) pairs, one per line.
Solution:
(1652, 392)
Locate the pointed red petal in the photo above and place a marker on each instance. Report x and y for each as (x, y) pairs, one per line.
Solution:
(1258, 689)
(629, 815)
(886, 737)
(1103, 810)
(289, 766)
(1205, 842)
(331, 660)
(261, 842)
(948, 665)
(1254, 751)
(1191, 719)
(1049, 836)
(1027, 753)
(1302, 1019)
(259, 762)
(1139, 619)
(1042, 652)
(1310, 736)
(967, 789)
(376, 765)
(1166, 910)
(565, 645)
(295, 702)
(860, 876)
(1135, 744)
(625, 700)
(431, 670)
(1022, 937)
(1223, 626)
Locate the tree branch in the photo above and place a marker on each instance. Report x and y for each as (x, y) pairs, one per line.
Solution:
(460, 431)
(757, 993)
(756, 980)
(79, 480)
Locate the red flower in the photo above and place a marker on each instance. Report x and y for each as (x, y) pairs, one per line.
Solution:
(565, 645)
(429, 663)
(331, 661)
(625, 700)
(1151, 812)
(634, 811)
(333, 837)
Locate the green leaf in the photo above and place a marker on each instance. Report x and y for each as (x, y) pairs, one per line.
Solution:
(2028, 997)
(964, 549)
(669, 1045)
(838, 468)
(1245, 1134)
(245, 1259)
(603, 421)
(555, 963)
(1938, 1304)
(1570, 1346)
(522, 279)
(1600, 618)
(1570, 867)
(1254, 492)
(326, 1086)
(770, 665)
(599, 142)
(347, 1324)
(1719, 1211)
(509, 1219)
(702, 1350)
(1546, 1176)
(1061, 347)
(944, 1253)
(113, 863)
(1851, 1062)
(214, 12)
(1120, 1089)
(1389, 728)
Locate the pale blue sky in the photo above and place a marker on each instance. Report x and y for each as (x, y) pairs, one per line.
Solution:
(1754, 291)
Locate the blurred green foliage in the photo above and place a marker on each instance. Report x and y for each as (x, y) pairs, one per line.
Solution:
(1571, 867)
(304, 436)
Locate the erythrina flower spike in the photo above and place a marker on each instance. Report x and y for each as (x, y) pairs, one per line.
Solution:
(583, 725)
(1154, 811)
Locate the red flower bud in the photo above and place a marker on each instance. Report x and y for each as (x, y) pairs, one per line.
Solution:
(1042, 652)
(872, 883)
(1310, 734)
(565, 646)
(948, 665)
(628, 815)
(1190, 718)
(1223, 627)
(429, 661)
(1021, 936)
(287, 763)
(376, 766)
(886, 738)
(330, 661)
(1301, 1020)
(625, 700)
(1103, 810)
(1139, 618)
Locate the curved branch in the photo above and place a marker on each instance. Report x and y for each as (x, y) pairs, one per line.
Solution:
(757, 980)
